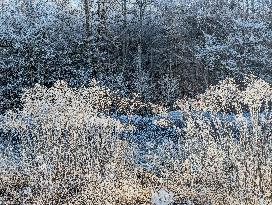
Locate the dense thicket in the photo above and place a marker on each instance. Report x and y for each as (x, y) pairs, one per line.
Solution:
(161, 49)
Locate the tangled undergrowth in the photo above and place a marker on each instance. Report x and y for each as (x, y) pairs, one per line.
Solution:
(65, 148)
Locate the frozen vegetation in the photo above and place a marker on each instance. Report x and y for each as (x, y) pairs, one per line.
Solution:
(135, 102)
(63, 148)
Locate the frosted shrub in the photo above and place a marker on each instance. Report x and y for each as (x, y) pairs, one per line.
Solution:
(228, 161)
(68, 154)
(219, 97)
(61, 98)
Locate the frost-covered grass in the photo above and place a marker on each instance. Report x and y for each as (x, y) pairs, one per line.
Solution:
(71, 149)
(219, 167)
(68, 153)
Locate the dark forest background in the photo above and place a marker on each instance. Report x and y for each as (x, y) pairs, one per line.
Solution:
(163, 50)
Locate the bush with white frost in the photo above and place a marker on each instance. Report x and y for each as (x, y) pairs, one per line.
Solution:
(64, 146)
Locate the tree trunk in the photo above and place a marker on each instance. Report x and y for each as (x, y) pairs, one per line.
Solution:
(124, 48)
(141, 4)
(87, 19)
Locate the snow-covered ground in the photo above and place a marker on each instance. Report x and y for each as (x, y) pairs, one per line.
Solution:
(176, 119)
(147, 132)
(152, 133)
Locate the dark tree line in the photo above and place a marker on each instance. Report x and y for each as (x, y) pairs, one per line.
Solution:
(161, 49)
